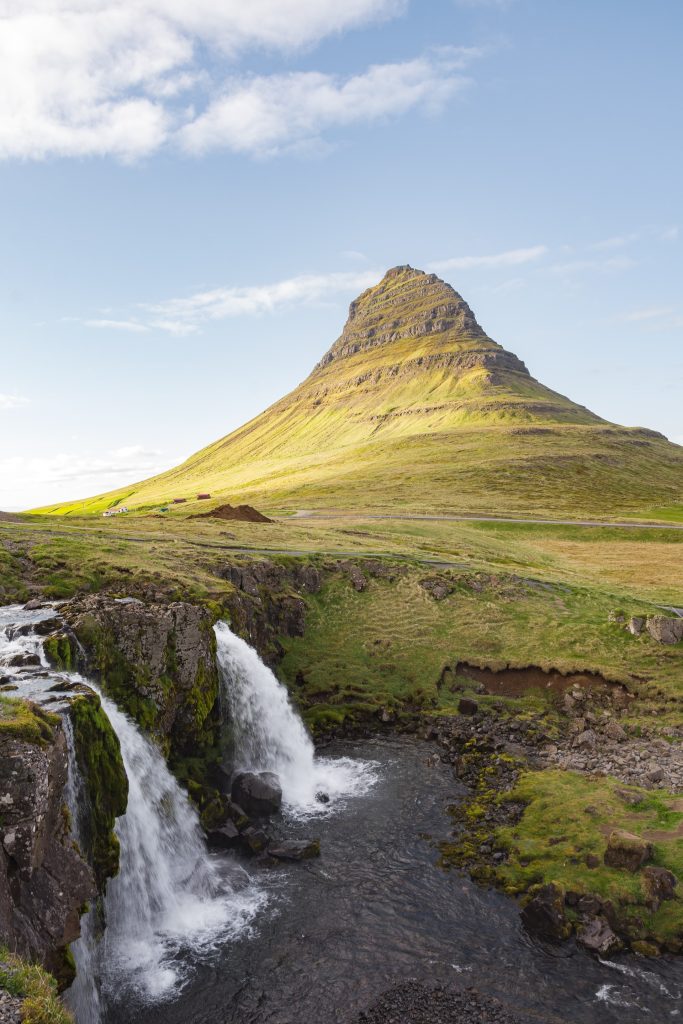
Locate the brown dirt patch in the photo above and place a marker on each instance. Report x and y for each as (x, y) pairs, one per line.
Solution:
(513, 682)
(238, 513)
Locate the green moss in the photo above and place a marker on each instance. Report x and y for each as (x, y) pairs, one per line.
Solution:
(99, 758)
(59, 652)
(24, 720)
(36, 987)
(119, 678)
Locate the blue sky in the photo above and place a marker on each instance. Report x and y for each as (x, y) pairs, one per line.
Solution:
(192, 195)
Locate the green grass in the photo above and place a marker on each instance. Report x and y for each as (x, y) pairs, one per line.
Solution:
(21, 719)
(36, 987)
(568, 817)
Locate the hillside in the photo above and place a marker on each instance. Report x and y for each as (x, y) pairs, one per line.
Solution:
(415, 408)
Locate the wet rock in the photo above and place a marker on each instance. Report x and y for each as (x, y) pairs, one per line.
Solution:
(43, 879)
(253, 840)
(225, 837)
(416, 1003)
(660, 885)
(34, 605)
(23, 660)
(295, 849)
(467, 706)
(626, 851)
(322, 798)
(664, 630)
(597, 936)
(259, 793)
(544, 914)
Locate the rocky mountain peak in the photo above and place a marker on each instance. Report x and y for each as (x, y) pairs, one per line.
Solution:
(406, 303)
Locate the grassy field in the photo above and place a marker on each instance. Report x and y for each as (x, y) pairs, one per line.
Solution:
(509, 595)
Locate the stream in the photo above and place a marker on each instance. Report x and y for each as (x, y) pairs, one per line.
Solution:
(318, 942)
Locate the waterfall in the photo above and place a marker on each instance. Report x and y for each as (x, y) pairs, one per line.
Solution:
(171, 902)
(170, 895)
(268, 734)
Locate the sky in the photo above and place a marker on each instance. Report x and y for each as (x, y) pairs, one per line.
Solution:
(192, 194)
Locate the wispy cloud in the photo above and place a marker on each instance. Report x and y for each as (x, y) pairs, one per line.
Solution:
(12, 401)
(220, 303)
(510, 258)
(264, 115)
(118, 325)
(653, 313)
(598, 266)
(95, 79)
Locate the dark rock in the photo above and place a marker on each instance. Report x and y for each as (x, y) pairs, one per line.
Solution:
(597, 936)
(253, 840)
(467, 706)
(629, 796)
(295, 849)
(544, 914)
(659, 884)
(322, 798)
(23, 660)
(259, 793)
(592, 861)
(225, 837)
(43, 879)
(626, 851)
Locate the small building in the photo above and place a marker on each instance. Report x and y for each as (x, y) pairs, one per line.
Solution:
(203, 497)
(179, 501)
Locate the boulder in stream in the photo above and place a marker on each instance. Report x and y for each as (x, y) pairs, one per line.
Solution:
(544, 914)
(259, 793)
(295, 849)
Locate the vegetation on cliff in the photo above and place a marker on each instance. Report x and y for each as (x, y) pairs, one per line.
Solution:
(35, 987)
(24, 720)
(106, 784)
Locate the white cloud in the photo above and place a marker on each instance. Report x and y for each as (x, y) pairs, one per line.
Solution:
(599, 266)
(90, 77)
(654, 313)
(118, 325)
(511, 258)
(219, 303)
(617, 242)
(12, 401)
(264, 115)
(25, 481)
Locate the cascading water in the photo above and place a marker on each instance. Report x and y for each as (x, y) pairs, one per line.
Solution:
(170, 896)
(268, 734)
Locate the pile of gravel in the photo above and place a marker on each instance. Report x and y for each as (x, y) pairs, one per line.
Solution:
(414, 1003)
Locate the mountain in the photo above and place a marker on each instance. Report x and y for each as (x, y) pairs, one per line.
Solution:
(414, 407)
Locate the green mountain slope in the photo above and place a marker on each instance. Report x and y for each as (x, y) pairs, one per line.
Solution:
(415, 408)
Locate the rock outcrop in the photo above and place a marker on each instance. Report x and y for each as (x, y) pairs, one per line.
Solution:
(156, 659)
(44, 881)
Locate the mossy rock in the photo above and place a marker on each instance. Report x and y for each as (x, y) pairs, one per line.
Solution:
(99, 757)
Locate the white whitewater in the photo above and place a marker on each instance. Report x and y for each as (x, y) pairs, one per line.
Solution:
(169, 894)
(268, 734)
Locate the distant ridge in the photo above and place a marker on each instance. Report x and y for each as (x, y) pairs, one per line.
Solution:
(415, 407)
